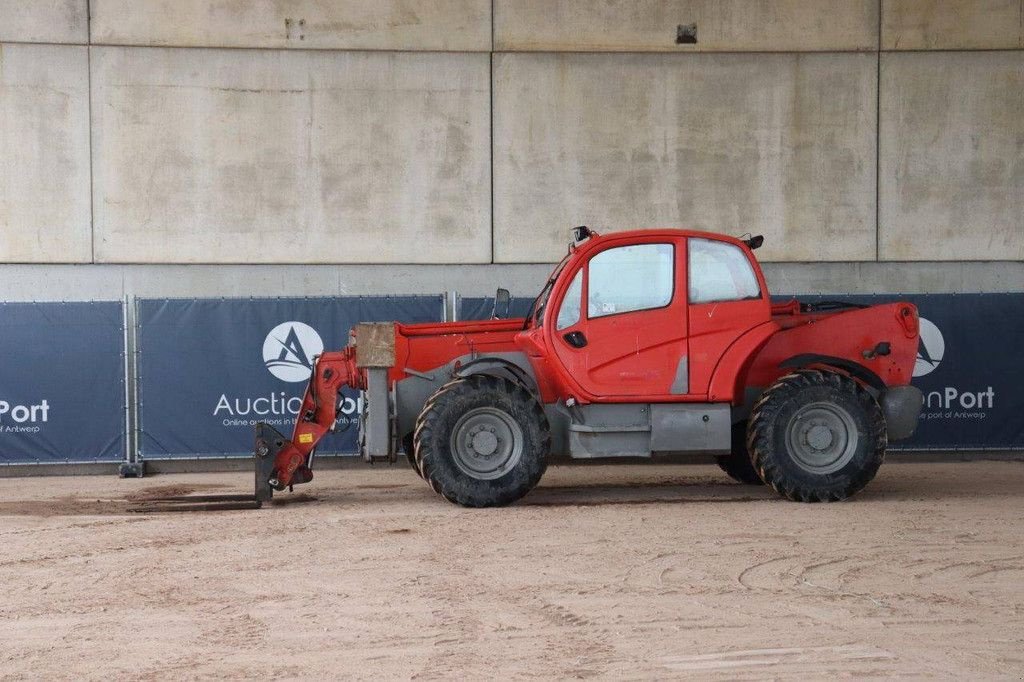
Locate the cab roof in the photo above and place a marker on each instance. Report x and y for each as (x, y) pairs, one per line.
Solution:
(671, 232)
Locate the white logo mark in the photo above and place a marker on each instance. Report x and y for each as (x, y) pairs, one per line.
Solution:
(289, 349)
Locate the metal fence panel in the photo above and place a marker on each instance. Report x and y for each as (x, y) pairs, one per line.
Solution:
(62, 396)
(209, 369)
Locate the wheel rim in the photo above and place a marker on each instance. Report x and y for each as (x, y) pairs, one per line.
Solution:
(486, 443)
(822, 438)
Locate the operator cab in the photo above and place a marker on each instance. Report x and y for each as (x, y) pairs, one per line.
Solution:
(649, 315)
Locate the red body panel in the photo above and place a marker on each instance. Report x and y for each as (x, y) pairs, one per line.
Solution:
(633, 357)
(425, 347)
(714, 329)
(847, 335)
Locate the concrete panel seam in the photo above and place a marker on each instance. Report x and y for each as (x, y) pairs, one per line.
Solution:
(141, 46)
(490, 58)
(506, 51)
(92, 186)
(960, 50)
(44, 43)
(256, 48)
(878, 135)
(694, 53)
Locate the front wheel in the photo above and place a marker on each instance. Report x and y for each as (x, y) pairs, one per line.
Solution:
(482, 441)
(816, 436)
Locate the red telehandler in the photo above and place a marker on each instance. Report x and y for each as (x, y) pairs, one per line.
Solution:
(639, 342)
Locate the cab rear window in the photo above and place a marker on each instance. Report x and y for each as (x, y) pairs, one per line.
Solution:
(720, 272)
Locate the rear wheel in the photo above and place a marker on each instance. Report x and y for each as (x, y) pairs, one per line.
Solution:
(737, 464)
(816, 436)
(482, 441)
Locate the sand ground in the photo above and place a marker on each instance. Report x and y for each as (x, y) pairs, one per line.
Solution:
(610, 571)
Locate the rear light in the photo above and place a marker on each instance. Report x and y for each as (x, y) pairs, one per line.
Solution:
(907, 315)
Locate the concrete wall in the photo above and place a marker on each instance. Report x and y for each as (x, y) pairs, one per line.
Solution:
(952, 24)
(44, 154)
(453, 25)
(234, 156)
(851, 133)
(44, 21)
(652, 25)
(952, 156)
(782, 145)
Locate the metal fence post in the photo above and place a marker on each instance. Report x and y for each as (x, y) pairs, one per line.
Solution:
(133, 464)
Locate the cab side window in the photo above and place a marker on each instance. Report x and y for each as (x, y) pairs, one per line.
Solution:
(720, 272)
(569, 314)
(630, 278)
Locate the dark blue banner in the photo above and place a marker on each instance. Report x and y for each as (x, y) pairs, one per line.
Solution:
(968, 367)
(209, 369)
(62, 382)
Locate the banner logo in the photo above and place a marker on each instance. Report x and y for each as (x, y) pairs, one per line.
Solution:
(20, 414)
(930, 348)
(289, 349)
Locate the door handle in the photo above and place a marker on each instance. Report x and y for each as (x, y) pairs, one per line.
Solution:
(575, 339)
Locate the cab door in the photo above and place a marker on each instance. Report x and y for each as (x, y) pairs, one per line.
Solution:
(727, 299)
(620, 329)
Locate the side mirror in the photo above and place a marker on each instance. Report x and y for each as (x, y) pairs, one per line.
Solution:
(502, 304)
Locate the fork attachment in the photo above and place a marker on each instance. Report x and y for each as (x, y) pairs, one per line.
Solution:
(280, 462)
(268, 444)
(196, 503)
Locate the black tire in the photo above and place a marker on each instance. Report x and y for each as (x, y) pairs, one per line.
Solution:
(737, 464)
(482, 470)
(409, 446)
(816, 436)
